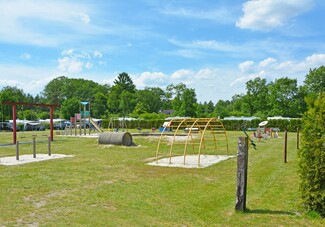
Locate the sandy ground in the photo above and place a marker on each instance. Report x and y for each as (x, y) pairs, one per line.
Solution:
(23, 159)
(191, 161)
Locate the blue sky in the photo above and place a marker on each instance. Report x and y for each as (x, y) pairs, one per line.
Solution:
(211, 46)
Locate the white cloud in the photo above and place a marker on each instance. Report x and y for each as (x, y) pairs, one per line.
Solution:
(33, 22)
(243, 79)
(264, 15)
(33, 80)
(70, 65)
(25, 56)
(271, 69)
(220, 14)
(67, 52)
(246, 66)
(75, 61)
(267, 62)
(97, 54)
(152, 79)
(182, 74)
(206, 74)
(82, 16)
(206, 45)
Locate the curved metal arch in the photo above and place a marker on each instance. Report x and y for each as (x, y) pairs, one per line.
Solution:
(214, 124)
(160, 138)
(188, 135)
(202, 138)
(173, 140)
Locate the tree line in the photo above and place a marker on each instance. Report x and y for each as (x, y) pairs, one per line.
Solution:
(282, 97)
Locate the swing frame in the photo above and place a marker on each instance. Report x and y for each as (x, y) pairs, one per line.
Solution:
(14, 116)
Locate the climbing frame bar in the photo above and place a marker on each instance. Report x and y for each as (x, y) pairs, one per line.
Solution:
(201, 133)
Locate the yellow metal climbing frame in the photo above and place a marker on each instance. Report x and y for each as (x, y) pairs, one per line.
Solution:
(202, 135)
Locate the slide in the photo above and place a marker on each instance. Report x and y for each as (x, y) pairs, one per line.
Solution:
(95, 125)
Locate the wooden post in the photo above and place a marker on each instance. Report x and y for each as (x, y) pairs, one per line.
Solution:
(285, 145)
(298, 138)
(17, 150)
(49, 146)
(242, 164)
(51, 123)
(34, 147)
(14, 123)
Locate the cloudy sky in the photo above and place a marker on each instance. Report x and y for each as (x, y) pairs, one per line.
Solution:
(213, 46)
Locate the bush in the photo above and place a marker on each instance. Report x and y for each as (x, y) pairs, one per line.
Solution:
(312, 157)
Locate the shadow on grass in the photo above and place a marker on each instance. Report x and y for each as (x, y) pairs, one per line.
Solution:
(260, 211)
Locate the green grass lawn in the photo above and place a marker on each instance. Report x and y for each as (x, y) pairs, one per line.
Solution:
(112, 186)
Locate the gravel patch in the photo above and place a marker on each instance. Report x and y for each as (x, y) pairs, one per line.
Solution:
(191, 161)
(23, 159)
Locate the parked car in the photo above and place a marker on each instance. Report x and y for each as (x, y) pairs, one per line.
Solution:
(34, 126)
(62, 125)
(7, 126)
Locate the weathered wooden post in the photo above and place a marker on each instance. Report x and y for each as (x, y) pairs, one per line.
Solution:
(17, 150)
(285, 145)
(49, 146)
(34, 147)
(298, 138)
(242, 164)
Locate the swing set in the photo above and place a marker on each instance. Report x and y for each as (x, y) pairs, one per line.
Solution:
(14, 116)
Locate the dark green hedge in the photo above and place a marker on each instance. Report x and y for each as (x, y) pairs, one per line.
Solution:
(237, 125)
(133, 124)
(312, 157)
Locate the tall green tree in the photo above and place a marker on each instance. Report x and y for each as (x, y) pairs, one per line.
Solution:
(283, 97)
(99, 105)
(315, 81)
(70, 107)
(183, 100)
(125, 82)
(256, 95)
(221, 109)
(189, 102)
(151, 98)
(121, 97)
(10, 94)
(127, 103)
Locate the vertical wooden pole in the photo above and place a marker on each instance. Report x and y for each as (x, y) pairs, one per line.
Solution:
(51, 123)
(285, 145)
(242, 164)
(49, 146)
(17, 150)
(34, 147)
(298, 138)
(14, 123)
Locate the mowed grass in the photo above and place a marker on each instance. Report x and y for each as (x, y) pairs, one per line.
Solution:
(112, 186)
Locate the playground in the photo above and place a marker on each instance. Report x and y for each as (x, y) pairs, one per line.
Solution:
(113, 184)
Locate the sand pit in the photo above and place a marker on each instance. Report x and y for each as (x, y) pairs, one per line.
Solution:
(191, 161)
(23, 159)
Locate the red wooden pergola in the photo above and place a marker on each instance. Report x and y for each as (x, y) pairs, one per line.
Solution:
(14, 115)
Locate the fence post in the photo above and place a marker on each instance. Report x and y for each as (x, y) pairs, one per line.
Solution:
(285, 145)
(49, 146)
(298, 138)
(34, 147)
(242, 164)
(17, 150)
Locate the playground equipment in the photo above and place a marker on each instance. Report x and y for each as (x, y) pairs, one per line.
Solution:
(116, 138)
(198, 133)
(14, 116)
(82, 120)
(117, 123)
